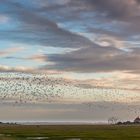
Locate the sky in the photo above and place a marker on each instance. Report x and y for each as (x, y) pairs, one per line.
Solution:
(69, 60)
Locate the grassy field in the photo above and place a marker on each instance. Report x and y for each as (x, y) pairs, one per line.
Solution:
(71, 132)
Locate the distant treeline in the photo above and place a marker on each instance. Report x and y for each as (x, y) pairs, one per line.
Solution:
(127, 123)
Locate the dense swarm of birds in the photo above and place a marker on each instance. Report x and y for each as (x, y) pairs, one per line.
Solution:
(22, 88)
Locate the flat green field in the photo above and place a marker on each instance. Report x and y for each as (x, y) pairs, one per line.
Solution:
(71, 132)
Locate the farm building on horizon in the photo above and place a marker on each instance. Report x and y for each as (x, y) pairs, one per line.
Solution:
(137, 120)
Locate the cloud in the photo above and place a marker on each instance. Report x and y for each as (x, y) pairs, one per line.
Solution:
(27, 70)
(38, 58)
(49, 3)
(11, 50)
(3, 19)
(111, 8)
(125, 14)
(112, 24)
(97, 59)
(5, 68)
(38, 29)
(106, 40)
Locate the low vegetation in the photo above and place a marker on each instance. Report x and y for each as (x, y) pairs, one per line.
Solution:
(71, 132)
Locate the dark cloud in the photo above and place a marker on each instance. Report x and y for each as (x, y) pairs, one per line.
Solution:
(111, 8)
(37, 29)
(97, 59)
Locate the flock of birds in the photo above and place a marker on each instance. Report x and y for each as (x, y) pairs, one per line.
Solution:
(29, 88)
(22, 88)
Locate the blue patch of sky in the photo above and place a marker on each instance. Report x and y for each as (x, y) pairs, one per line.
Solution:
(74, 27)
(17, 62)
(4, 44)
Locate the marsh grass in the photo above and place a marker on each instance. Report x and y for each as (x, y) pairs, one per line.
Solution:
(71, 132)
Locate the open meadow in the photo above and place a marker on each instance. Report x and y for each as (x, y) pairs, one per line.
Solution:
(71, 132)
